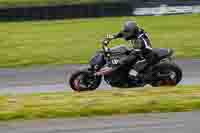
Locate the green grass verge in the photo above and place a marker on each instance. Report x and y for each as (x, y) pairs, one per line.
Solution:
(20, 3)
(67, 104)
(75, 41)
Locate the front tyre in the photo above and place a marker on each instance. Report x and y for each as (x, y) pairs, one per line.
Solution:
(84, 80)
(167, 74)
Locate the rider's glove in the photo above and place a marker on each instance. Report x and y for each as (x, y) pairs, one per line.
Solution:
(109, 37)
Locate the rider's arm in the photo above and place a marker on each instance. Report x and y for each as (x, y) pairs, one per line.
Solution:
(118, 35)
(115, 36)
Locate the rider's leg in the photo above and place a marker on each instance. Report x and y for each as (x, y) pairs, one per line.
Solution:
(151, 59)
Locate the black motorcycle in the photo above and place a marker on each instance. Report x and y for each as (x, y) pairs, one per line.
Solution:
(163, 73)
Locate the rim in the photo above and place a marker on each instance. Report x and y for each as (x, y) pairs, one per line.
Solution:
(80, 84)
(168, 82)
(77, 84)
(173, 75)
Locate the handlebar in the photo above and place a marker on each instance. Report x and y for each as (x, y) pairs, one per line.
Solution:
(105, 47)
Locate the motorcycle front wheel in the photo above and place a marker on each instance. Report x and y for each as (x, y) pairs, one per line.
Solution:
(84, 80)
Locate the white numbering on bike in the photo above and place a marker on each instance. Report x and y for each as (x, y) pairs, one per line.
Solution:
(115, 61)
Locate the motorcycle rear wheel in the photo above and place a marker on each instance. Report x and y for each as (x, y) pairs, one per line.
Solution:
(173, 70)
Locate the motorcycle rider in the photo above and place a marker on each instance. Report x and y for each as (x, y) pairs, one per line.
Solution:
(137, 36)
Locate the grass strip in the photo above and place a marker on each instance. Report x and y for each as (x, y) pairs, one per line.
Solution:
(75, 41)
(97, 103)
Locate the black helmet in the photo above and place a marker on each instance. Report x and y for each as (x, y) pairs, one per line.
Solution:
(130, 30)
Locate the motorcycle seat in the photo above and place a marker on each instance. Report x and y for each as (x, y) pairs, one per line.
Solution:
(163, 52)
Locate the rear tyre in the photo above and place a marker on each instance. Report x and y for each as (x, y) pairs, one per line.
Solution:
(171, 69)
(84, 80)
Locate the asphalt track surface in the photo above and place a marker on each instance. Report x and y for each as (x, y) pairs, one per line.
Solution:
(54, 78)
(142, 123)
